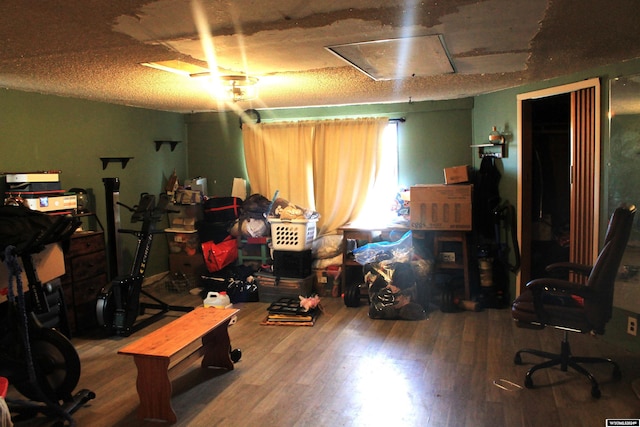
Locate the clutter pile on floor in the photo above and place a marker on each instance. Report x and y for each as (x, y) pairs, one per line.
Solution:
(293, 312)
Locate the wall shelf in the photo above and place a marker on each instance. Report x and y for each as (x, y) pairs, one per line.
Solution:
(495, 150)
(122, 160)
(172, 143)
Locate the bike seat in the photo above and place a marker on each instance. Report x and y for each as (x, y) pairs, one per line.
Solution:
(144, 207)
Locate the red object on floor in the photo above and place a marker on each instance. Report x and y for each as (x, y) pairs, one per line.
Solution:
(4, 385)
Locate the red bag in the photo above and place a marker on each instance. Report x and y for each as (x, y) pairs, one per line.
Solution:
(219, 255)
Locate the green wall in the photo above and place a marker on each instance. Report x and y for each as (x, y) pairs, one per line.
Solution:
(41, 132)
(215, 150)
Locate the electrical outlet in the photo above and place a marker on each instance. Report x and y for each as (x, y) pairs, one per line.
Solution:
(632, 326)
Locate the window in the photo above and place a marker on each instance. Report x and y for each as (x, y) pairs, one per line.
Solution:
(332, 166)
(380, 201)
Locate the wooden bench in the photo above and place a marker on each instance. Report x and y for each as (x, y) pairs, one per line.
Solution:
(170, 349)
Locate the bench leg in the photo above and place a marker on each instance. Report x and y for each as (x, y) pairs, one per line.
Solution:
(154, 389)
(216, 346)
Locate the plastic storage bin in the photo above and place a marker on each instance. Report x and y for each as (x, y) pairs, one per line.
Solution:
(292, 263)
(292, 235)
(272, 288)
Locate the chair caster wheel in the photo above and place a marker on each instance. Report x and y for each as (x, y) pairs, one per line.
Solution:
(528, 382)
(595, 392)
(236, 354)
(517, 359)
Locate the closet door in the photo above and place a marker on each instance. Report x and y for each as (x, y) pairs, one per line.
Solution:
(584, 174)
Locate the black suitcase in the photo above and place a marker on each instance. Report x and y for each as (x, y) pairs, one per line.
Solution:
(222, 209)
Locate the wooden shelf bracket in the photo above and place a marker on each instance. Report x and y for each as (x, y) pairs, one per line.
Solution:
(122, 160)
(172, 143)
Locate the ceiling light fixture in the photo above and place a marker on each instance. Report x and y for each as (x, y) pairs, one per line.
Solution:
(234, 88)
(240, 88)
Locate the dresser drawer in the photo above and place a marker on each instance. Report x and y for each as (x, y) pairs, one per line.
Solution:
(90, 265)
(84, 243)
(86, 273)
(86, 291)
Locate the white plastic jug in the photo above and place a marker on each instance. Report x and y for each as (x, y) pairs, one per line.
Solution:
(217, 299)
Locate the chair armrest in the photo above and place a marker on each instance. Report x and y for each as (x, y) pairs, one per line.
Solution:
(583, 269)
(539, 286)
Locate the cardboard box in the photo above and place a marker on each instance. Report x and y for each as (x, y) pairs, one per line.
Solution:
(441, 207)
(184, 224)
(49, 264)
(327, 281)
(456, 174)
(52, 176)
(183, 243)
(188, 197)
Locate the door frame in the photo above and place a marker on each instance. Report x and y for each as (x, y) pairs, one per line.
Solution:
(524, 130)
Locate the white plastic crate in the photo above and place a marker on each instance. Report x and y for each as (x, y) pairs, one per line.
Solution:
(292, 235)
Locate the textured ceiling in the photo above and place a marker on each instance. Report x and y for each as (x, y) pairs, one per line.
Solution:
(93, 48)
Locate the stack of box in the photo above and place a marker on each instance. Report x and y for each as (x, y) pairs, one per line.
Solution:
(41, 191)
(292, 275)
(185, 257)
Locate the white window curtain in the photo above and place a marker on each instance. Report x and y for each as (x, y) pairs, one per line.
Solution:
(328, 166)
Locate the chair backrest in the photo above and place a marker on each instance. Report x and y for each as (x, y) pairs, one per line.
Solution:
(605, 269)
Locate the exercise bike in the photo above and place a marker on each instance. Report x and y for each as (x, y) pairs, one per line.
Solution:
(118, 305)
(40, 362)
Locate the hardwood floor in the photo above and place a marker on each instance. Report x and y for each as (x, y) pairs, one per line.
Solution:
(349, 370)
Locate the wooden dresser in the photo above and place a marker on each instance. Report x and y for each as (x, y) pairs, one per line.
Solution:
(86, 274)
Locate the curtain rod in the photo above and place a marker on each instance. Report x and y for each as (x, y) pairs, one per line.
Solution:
(259, 119)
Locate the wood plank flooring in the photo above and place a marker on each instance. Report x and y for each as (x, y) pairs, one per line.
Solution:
(349, 370)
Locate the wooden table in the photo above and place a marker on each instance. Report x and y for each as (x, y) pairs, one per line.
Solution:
(170, 349)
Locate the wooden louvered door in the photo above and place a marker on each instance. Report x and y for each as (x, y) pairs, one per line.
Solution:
(583, 174)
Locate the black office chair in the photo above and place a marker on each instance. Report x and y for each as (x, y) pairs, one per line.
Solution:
(570, 306)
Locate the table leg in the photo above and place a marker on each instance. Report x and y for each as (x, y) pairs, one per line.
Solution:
(217, 345)
(154, 389)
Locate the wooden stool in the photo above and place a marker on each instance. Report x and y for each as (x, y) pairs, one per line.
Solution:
(456, 237)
